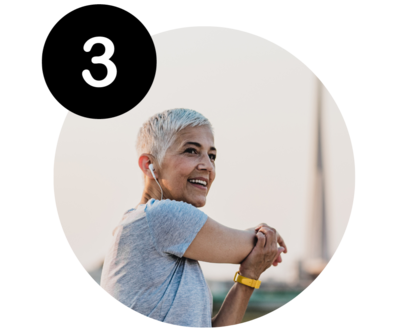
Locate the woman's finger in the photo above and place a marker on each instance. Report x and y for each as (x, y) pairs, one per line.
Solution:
(271, 240)
(260, 241)
(278, 258)
(261, 225)
(282, 242)
(270, 236)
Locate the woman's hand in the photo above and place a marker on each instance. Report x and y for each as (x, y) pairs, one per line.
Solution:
(264, 254)
(278, 237)
(263, 227)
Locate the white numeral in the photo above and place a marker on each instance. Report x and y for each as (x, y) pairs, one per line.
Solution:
(103, 59)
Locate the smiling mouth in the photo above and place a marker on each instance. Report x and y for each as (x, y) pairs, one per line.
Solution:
(202, 187)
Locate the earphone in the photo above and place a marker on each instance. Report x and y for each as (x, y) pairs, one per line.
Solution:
(151, 167)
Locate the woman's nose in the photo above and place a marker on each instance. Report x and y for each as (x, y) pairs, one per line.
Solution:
(206, 163)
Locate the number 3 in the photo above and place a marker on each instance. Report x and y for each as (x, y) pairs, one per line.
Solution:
(103, 59)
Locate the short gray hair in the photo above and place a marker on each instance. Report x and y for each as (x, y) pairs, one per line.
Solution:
(158, 133)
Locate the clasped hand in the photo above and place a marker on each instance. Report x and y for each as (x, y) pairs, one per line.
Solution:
(265, 253)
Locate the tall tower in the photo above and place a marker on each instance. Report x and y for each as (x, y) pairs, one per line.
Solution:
(317, 254)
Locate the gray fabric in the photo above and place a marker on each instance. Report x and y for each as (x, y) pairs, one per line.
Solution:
(144, 268)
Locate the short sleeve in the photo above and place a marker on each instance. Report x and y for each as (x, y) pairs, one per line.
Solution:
(173, 225)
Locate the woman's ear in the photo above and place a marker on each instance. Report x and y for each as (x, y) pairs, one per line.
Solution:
(144, 162)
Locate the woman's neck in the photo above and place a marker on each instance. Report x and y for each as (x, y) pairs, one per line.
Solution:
(145, 198)
(150, 192)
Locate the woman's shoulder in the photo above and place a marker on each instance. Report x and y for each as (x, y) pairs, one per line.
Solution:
(173, 212)
(131, 215)
(128, 211)
(168, 206)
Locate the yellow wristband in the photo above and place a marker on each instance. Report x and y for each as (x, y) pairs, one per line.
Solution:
(246, 281)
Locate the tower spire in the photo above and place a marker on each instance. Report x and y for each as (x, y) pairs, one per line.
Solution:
(321, 218)
(318, 255)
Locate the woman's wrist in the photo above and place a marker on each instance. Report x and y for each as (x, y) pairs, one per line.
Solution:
(249, 274)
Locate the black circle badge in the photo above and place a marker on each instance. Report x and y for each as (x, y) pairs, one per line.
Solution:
(99, 61)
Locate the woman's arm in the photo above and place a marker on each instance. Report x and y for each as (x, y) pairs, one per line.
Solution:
(261, 257)
(234, 306)
(216, 243)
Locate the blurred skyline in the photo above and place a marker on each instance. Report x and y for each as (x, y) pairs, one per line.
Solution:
(263, 104)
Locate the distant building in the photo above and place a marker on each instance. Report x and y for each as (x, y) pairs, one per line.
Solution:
(317, 257)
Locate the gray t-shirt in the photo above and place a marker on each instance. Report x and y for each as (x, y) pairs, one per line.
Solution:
(144, 268)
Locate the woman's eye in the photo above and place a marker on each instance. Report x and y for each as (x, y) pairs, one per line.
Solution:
(194, 152)
(191, 151)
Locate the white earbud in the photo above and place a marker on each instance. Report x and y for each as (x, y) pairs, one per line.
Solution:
(151, 167)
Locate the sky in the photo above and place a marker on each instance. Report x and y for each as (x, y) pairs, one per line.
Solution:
(261, 101)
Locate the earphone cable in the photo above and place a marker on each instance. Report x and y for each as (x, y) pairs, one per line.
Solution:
(159, 187)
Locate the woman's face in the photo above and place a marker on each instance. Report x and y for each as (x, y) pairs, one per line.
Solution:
(188, 169)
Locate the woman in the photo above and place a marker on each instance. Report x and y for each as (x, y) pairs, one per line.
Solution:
(152, 265)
